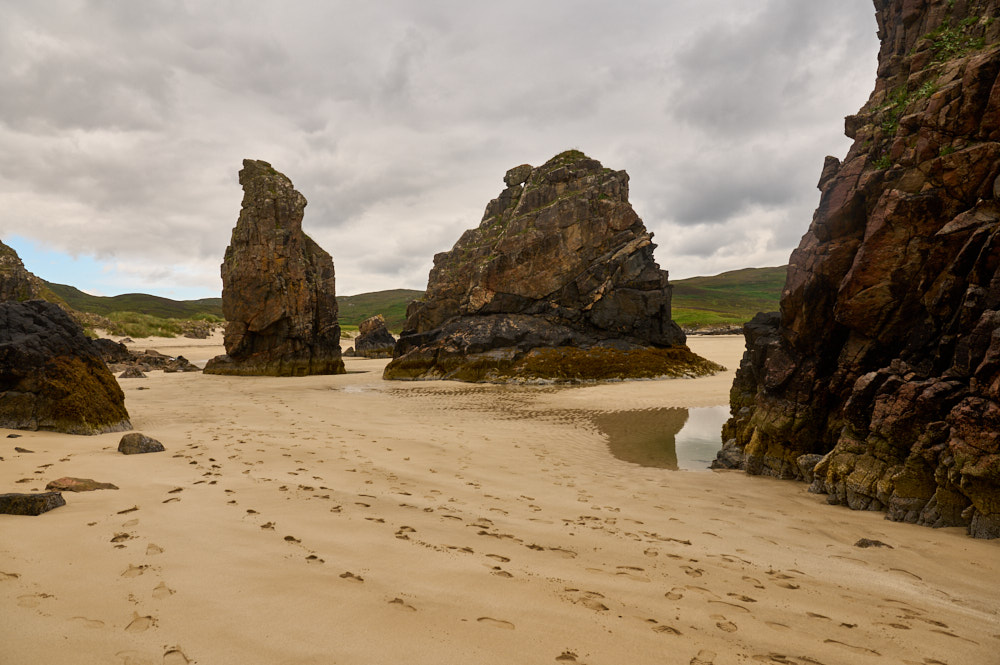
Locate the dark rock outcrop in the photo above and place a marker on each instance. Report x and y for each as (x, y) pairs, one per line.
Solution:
(112, 352)
(278, 290)
(70, 484)
(374, 340)
(30, 504)
(132, 372)
(557, 282)
(51, 377)
(885, 359)
(135, 443)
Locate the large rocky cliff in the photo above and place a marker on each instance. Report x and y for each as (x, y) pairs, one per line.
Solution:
(880, 380)
(278, 287)
(557, 282)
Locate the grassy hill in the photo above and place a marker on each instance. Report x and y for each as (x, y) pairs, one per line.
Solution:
(164, 308)
(390, 304)
(730, 298)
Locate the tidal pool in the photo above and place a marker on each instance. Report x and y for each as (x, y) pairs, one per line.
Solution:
(669, 438)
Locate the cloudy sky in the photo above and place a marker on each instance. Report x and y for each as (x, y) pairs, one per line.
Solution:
(123, 124)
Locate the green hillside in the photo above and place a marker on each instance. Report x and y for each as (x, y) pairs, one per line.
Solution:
(390, 304)
(730, 298)
(164, 308)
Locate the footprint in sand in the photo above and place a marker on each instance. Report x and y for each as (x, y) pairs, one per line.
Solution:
(8, 576)
(693, 572)
(496, 623)
(32, 599)
(175, 657)
(88, 623)
(669, 630)
(134, 571)
(161, 590)
(400, 604)
(724, 624)
(351, 577)
(704, 657)
(135, 658)
(152, 549)
(675, 594)
(140, 624)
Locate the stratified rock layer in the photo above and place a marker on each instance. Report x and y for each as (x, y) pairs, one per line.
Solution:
(278, 289)
(885, 360)
(557, 282)
(51, 376)
(374, 339)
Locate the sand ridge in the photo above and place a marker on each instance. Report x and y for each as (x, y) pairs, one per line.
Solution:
(345, 519)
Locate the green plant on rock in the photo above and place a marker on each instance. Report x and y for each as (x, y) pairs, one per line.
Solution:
(883, 162)
(951, 41)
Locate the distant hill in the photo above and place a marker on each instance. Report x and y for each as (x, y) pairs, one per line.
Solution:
(730, 298)
(137, 302)
(390, 304)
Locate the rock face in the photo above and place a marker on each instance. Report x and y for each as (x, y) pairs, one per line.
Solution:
(278, 292)
(51, 377)
(885, 360)
(16, 283)
(374, 340)
(557, 282)
(70, 484)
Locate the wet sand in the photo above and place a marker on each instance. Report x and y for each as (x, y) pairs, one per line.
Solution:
(348, 520)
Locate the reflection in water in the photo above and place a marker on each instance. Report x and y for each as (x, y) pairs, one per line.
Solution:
(670, 438)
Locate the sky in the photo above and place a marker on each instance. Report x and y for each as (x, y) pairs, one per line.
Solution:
(123, 125)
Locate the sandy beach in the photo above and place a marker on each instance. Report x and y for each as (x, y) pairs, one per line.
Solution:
(348, 520)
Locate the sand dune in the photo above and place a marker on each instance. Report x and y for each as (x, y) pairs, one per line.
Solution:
(346, 520)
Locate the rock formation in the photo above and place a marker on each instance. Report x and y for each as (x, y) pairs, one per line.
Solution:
(557, 282)
(885, 361)
(51, 377)
(70, 484)
(16, 283)
(374, 340)
(278, 292)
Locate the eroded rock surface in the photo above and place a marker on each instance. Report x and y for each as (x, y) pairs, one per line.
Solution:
(557, 282)
(374, 339)
(885, 360)
(16, 283)
(51, 376)
(278, 287)
(15, 503)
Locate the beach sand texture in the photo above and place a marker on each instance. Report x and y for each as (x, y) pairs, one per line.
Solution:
(349, 520)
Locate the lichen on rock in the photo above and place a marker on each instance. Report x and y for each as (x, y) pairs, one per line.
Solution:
(560, 261)
(885, 358)
(278, 286)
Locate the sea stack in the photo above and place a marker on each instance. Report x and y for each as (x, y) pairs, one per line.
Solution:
(51, 376)
(557, 282)
(880, 379)
(278, 290)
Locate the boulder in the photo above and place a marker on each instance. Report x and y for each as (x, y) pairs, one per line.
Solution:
(374, 339)
(557, 282)
(111, 351)
(132, 372)
(30, 504)
(51, 377)
(68, 484)
(135, 443)
(180, 364)
(278, 287)
(881, 374)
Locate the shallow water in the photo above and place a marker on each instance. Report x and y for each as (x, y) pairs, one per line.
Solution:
(669, 438)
